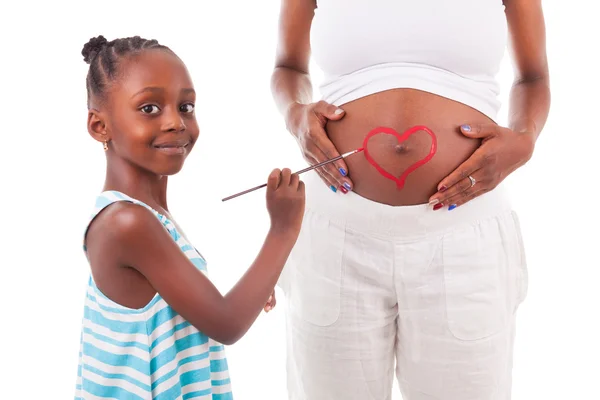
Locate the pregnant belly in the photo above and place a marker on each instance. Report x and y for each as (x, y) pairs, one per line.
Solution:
(401, 109)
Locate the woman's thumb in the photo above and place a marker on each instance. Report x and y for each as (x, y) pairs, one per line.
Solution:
(337, 113)
(333, 112)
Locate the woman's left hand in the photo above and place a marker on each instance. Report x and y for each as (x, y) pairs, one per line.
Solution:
(271, 302)
(501, 152)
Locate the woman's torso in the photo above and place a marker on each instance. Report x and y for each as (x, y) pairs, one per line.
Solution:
(151, 352)
(397, 64)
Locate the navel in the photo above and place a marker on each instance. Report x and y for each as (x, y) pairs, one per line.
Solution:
(401, 148)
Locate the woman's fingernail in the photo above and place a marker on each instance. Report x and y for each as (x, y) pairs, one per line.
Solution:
(437, 206)
(343, 189)
(452, 207)
(442, 188)
(343, 172)
(466, 128)
(434, 202)
(347, 186)
(333, 188)
(338, 111)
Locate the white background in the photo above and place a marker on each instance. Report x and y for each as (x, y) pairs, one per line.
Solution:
(52, 171)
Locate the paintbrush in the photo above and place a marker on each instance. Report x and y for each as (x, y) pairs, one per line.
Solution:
(298, 172)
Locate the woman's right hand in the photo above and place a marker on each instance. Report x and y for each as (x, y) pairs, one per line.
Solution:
(307, 123)
(285, 202)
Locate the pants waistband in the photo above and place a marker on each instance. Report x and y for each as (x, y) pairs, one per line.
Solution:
(358, 213)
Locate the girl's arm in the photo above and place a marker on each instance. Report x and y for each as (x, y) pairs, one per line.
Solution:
(129, 235)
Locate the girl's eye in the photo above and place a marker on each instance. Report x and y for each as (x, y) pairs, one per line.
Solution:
(150, 109)
(187, 108)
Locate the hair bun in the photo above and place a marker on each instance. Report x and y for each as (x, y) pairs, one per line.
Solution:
(93, 47)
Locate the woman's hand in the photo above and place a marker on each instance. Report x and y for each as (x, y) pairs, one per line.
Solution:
(501, 152)
(307, 123)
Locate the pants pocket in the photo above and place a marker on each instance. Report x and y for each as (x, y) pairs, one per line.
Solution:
(481, 268)
(314, 278)
(522, 274)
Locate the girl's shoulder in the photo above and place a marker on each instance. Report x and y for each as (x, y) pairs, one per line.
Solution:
(126, 215)
(109, 197)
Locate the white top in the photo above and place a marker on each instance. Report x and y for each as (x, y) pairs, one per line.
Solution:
(449, 48)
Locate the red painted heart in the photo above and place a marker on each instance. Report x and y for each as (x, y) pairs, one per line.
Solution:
(401, 138)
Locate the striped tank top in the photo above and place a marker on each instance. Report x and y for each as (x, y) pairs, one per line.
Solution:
(147, 353)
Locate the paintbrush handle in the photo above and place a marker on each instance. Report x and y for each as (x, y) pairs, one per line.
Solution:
(295, 173)
(244, 192)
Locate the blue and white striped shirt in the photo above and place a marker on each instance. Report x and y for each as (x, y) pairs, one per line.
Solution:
(147, 353)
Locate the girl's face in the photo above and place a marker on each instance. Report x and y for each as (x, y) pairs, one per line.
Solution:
(150, 116)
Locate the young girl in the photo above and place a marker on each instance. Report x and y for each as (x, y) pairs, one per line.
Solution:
(153, 323)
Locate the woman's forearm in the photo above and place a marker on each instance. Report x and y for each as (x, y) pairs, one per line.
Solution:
(529, 105)
(290, 86)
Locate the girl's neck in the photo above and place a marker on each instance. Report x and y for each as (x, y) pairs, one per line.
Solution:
(140, 184)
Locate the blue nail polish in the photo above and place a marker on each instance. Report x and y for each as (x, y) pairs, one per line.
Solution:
(343, 172)
(466, 128)
(333, 188)
(452, 207)
(347, 186)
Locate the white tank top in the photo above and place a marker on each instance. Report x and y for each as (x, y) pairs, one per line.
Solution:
(450, 48)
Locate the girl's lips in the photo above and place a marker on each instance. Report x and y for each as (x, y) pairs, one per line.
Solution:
(172, 148)
(176, 143)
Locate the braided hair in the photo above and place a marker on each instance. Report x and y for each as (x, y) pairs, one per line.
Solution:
(104, 57)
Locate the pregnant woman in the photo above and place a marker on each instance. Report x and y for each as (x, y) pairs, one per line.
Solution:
(421, 280)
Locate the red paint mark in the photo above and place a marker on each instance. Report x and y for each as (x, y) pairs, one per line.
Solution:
(389, 131)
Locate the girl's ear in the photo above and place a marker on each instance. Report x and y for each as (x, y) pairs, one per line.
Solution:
(97, 126)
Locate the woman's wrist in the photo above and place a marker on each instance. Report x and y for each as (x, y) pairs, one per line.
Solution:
(291, 109)
(526, 125)
(290, 116)
(527, 140)
(527, 131)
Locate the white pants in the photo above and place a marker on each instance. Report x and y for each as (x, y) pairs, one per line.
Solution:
(372, 288)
